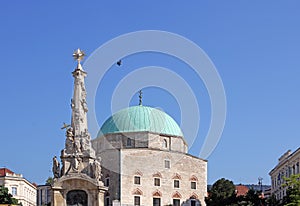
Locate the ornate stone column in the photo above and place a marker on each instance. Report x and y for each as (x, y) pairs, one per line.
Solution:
(80, 174)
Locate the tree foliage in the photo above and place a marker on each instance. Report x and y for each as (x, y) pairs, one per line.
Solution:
(221, 193)
(5, 197)
(272, 201)
(49, 181)
(293, 190)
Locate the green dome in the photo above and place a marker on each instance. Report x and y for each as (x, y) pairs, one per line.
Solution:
(140, 119)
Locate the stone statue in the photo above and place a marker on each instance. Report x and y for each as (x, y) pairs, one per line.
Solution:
(55, 168)
(83, 145)
(69, 140)
(69, 133)
(96, 167)
(77, 145)
(62, 171)
(76, 163)
(84, 105)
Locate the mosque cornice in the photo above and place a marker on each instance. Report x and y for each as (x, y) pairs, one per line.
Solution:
(129, 134)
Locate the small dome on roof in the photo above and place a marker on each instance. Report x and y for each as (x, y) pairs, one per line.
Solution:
(140, 119)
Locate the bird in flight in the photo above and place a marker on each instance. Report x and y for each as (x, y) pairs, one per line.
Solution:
(119, 63)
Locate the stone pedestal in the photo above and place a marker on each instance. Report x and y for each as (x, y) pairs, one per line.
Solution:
(77, 189)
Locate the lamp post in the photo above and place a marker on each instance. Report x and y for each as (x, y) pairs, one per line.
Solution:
(260, 183)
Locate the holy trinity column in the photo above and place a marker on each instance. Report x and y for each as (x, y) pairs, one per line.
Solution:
(78, 155)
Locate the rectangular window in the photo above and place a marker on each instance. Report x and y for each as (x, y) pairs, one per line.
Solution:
(167, 164)
(193, 185)
(156, 201)
(176, 202)
(156, 181)
(176, 183)
(107, 181)
(137, 180)
(137, 201)
(129, 142)
(193, 203)
(14, 191)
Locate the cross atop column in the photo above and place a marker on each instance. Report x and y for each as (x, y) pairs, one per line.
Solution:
(78, 55)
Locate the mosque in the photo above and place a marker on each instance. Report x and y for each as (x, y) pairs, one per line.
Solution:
(139, 157)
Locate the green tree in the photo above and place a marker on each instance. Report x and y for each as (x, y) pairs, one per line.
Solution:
(272, 201)
(222, 193)
(49, 181)
(253, 197)
(293, 190)
(5, 197)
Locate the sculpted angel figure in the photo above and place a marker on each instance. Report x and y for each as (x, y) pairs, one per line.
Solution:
(55, 167)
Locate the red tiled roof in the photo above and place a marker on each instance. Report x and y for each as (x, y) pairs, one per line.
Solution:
(241, 190)
(4, 171)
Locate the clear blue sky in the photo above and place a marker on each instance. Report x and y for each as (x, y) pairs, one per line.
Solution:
(253, 44)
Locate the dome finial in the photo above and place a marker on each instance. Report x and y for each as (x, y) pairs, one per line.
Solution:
(140, 97)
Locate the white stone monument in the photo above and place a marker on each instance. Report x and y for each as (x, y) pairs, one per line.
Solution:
(78, 181)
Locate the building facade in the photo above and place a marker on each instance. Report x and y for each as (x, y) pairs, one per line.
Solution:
(19, 187)
(43, 195)
(288, 164)
(145, 160)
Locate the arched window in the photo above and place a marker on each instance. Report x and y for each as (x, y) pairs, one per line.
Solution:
(106, 182)
(107, 201)
(165, 143)
(77, 197)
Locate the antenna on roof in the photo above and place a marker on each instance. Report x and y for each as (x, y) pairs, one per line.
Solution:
(140, 97)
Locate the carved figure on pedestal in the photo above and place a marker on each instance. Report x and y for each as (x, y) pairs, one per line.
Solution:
(62, 171)
(76, 163)
(96, 168)
(83, 145)
(84, 105)
(70, 140)
(77, 145)
(55, 168)
(69, 133)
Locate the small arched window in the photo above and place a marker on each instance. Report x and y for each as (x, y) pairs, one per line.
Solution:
(165, 143)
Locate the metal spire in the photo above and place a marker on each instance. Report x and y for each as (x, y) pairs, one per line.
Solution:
(140, 97)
